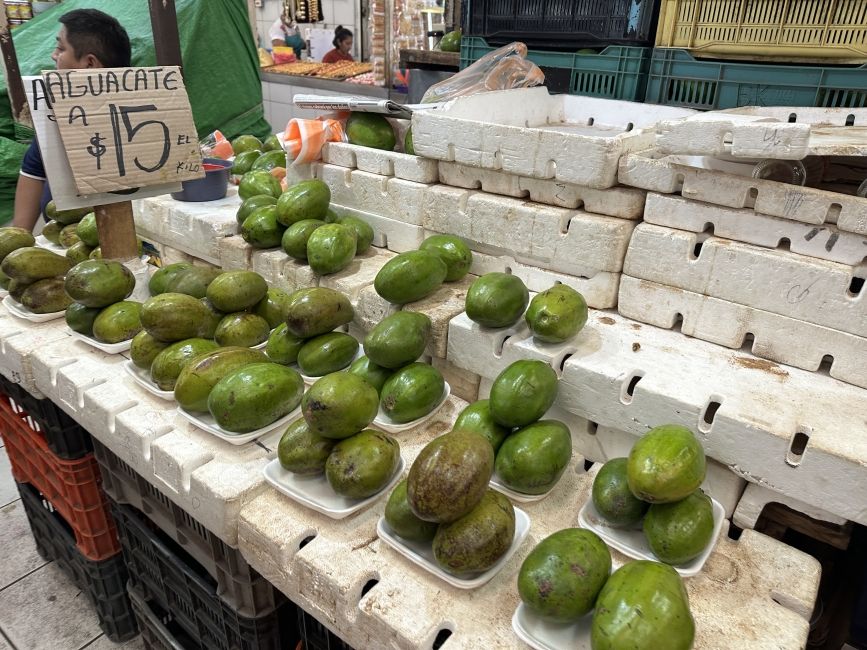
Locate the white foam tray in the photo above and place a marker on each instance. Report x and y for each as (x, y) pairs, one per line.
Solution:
(315, 492)
(108, 348)
(142, 378)
(531, 133)
(780, 132)
(518, 497)
(632, 542)
(421, 553)
(206, 422)
(382, 421)
(540, 634)
(20, 311)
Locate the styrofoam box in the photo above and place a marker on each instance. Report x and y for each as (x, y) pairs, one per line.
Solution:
(748, 226)
(755, 591)
(623, 202)
(376, 161)
(673, 174)
(18, 340)
(756, 497)
(803, 288)
(779, 132)
(778, 338)
(779, 427)
(531, 133)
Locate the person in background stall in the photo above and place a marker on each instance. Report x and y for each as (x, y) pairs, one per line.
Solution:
(285, 32)
(88, 38)
(342, 44)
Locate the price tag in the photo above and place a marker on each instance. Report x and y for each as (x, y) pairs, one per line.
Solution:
(124, 128)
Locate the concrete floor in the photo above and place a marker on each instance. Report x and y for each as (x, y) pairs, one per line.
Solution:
(40, 608)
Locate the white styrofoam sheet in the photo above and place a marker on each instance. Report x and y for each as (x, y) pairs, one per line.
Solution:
(376, 161)
(672, 174)
(803, 288)
(780, 132)
(823, 242)
(761, 406)
(623, 202)
(18, 340)
(752, 592)
(778, 338)
(531, 133)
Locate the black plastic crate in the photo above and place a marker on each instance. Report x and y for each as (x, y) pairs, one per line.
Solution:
(65, 437)
(562, 24)
(162, 572)
(316, 636)
(103, 581)
(159, 630)
(237, 582)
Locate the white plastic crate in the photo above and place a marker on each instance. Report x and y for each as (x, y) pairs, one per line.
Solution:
(531, 133)
(770, 336)
(779, 132)
(672, 174)
(803, 288)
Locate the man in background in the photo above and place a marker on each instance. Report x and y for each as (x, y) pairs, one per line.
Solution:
(88, 38)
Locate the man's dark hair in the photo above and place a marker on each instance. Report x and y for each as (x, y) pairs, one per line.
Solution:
(90, 31)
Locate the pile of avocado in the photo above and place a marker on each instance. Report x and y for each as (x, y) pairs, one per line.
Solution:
(33, 276)
(553, 316)
(446, 500)
(414, 275)
(100, 289)
(332, 437)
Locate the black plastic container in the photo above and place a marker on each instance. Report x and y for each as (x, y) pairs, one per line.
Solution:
(210, 188)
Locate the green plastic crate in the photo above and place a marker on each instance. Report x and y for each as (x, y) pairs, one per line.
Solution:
(617, 72)
(678, 79)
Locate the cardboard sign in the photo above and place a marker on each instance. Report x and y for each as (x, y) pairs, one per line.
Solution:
(125, 128)
(56, 162)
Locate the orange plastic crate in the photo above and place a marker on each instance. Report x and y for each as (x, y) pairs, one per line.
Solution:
(72, 487)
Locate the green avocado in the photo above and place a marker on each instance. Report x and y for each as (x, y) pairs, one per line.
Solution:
(305, 200)
(45, 296)
(301, 451)
(258, 181)
(497, 300)
(666, 464)
(339, 405)
(679, 532)
(373, 374)
(167, 365)
(363, 464)
(80, 318)
(252, 204)
(163, 276)
(86, 230)
(99, 283)
(69, 235)
(65, 217)
(612, 497)
(171, 317)
(476, 542)
(643, 605)
(118, 322)
(283, 346)
(244, 161)
(211, 320)
(477, 418)
(363, 232)
(408, 146)
(31, 263)
(272, 143)
(246, 143)
(532, 459)
(13, 238)
(326, 353)
(144, 348)
(410, 276)
(450, 476)
(261, 229)
(193, 282)
(295, 238)
(317, 310)
(523, 393)
(243, 329)
(453, 251)
(202, 373)
(557, 314)
(51, 232)
(78, 252)
(254, 396)
(370, 130)
(451, 42)
(398, 339)
(330, 248)
(412, 392)
(269, 160)
(400, 518)
(560, 579)
(236, 290)
(273, 306)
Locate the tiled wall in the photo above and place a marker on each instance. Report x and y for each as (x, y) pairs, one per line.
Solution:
(337, 12)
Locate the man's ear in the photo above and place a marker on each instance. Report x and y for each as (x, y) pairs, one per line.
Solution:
(90, 61)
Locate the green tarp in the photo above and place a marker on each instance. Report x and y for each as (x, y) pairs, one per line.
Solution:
(221, 68)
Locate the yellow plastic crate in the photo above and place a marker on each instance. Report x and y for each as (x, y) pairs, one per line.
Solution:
(772, 30)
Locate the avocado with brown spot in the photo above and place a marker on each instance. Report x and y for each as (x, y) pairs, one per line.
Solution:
(199, 377)
(339, 405)
(301, 451)
(362, 465)
(401, 519)
(168, 364)
(317, 310)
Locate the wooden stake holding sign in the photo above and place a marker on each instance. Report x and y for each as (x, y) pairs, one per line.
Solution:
(122, 129)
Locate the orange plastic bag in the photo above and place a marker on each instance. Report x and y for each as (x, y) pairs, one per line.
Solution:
(303, 139)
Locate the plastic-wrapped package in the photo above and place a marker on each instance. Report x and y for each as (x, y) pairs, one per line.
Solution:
(502, 69)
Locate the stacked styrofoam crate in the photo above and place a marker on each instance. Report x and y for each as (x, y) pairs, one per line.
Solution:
(776, 268)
